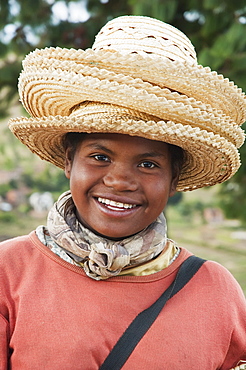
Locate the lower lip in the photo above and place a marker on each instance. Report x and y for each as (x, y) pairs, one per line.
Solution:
(115, 211)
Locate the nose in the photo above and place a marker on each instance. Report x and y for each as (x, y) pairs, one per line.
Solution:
(120, 178)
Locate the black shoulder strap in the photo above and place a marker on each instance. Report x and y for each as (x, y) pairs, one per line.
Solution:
(142, 322)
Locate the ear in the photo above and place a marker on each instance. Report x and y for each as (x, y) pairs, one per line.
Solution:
(68, 164)
(173, 185)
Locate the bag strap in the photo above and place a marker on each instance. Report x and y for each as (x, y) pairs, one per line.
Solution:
(142, 322)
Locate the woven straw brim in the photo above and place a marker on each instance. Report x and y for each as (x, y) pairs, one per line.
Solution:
(191, 80)
(59, 91)
(210, 159)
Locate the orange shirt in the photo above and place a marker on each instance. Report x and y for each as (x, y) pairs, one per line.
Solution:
(52, 316)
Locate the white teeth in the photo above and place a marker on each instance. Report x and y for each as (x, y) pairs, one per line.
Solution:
(112, 203)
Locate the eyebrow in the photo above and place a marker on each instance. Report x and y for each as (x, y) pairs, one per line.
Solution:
(151, 154)
(97, 146)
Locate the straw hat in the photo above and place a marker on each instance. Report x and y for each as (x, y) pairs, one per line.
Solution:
(140, 78)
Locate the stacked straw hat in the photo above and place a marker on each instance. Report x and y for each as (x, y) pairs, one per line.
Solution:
(140, 78)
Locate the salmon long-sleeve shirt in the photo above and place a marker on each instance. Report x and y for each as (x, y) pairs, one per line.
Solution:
(54, 317)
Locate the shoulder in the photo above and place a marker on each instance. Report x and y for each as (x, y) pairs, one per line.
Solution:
(218, 274)
(214, 281)
(218, 284)
(15, 245)
(14, 252)
(213, 273)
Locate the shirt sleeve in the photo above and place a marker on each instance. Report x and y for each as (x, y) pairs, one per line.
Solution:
(4, 343)
(238, 335)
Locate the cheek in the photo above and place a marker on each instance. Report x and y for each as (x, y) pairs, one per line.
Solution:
(78, 179)
(82, 181)
(159, 192)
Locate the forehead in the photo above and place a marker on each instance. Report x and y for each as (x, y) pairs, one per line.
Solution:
(125, 142)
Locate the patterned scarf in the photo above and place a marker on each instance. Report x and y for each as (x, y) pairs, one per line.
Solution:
(100, 257)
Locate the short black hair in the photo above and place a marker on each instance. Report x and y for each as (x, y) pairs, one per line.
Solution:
(71, 141)
(177, 155)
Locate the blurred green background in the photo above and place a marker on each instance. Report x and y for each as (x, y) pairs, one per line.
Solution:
(210, 222)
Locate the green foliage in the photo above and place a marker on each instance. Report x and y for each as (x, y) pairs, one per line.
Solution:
(188, 209)
(233, 192)
(175, 199)
(233, 201)
(164, 10)
(3, 49)
(4, 188)
(226, 47)
(8, 217)
(4, 12)
(50, 179)
(9, 73)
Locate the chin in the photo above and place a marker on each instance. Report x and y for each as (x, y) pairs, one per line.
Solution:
(113, 236)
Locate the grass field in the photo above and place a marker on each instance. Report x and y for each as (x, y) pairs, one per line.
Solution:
(219, 242)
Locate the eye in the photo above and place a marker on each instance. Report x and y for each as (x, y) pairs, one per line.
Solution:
(101, 158)
(147, 164)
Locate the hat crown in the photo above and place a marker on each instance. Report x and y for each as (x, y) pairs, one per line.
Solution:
(145, 36)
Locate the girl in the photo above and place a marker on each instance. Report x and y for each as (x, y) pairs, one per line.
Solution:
(130, 121)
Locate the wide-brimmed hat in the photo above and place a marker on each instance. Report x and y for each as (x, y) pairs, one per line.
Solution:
(140, 78)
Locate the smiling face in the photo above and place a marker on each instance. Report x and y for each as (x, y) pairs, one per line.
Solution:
(119, 183)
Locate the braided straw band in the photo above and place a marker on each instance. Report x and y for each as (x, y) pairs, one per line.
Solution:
(54, 91)
(195, 82)
(210, 159)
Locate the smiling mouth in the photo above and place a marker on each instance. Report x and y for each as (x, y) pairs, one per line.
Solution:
(116, 206)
